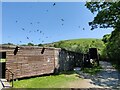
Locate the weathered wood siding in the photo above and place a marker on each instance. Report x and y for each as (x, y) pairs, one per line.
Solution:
(68, 60)
(29, 61)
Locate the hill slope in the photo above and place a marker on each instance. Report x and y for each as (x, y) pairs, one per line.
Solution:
(79, 45)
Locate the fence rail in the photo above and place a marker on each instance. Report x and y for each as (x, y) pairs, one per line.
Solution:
(11, 74)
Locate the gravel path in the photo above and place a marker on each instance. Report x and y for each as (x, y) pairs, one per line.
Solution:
(109, 77)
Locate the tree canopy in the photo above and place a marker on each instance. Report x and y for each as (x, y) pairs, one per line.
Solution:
(108, 14)
(106, 38)
(30, 44)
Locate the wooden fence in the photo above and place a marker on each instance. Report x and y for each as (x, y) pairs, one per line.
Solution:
(30, 62)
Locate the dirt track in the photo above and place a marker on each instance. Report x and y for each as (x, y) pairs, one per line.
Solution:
(85, 83)
(107, 78)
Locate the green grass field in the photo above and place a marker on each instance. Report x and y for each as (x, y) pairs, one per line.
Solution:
(53, 81)
(63, 80)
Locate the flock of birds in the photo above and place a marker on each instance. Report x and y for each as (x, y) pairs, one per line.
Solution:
(40, 31)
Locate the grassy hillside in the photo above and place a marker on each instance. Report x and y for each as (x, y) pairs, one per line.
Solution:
(79, 45)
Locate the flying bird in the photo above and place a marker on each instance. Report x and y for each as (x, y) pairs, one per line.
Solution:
(40, 31)
(54, 4)
(31, 23)
(62, 19)
(37, 30)
(62, 24)
(16, 21)
(23, 29)
(27, 37)
(83, 28)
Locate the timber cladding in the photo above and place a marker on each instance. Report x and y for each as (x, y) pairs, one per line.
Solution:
(29, 61)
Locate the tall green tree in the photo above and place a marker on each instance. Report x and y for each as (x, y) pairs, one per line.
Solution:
(108, 16)
(106, 38)
(30, 44)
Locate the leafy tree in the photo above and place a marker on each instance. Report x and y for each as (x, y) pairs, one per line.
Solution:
(8, 44)
(30, 44)
(23, 45)
(40, 44)
(108, 14)
(106, 38)
(113, 46)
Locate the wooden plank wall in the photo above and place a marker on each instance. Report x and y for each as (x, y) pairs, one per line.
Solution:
(29, 62)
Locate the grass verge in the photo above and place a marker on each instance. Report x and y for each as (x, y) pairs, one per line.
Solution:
(93, 70)
(46, 81)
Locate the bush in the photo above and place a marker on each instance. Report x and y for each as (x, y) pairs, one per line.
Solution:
(93, 70)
